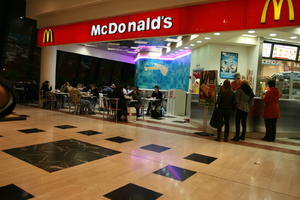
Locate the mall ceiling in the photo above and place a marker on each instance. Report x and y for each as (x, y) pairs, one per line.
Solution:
(57, 12)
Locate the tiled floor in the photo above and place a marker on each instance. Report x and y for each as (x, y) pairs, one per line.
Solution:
(77, 163)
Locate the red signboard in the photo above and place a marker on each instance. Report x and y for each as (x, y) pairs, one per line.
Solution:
(222, 16)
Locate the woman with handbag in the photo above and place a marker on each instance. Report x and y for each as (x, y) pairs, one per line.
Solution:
(225, 104)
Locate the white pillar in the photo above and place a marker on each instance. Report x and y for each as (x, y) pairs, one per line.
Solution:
(48, 65)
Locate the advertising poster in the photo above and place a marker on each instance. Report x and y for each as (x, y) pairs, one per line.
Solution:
(207, 88)
(229, 65)
(195, 81)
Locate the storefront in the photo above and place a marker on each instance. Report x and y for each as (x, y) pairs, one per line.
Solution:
(196, 25)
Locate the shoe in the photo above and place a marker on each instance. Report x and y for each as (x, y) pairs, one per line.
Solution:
(242, 138)
(218, 139)
(235, 139)
(92, 113)
(225, 140)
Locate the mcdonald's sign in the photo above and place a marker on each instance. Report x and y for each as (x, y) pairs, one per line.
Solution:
(48, 36)
(277, 10)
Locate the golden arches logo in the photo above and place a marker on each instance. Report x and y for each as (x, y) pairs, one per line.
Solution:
(48, 36)
(277, 10)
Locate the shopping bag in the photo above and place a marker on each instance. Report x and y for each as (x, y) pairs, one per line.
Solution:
(216, 120)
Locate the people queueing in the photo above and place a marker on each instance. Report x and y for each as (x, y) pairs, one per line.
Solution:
(271, 110)
(226, 104)
(236, 84)
(244, 101)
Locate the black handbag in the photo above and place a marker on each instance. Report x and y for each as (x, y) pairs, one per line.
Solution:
(216, 120)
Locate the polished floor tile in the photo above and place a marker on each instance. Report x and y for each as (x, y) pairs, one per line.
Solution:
(176, 173)
(65, 126)
(32, 130)
(12, 192)
(54, 156)
(119, 139)
(201, 158)
(155, 148)
(90, 132)
(132, 192)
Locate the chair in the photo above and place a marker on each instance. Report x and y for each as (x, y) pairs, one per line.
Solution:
(112, 108)
(74, 100)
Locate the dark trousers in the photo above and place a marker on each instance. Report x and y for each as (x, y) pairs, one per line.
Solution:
(270, 129)
(226, 118)
(240, 116)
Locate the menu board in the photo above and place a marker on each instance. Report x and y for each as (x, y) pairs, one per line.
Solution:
(267, 48)
(285, 52)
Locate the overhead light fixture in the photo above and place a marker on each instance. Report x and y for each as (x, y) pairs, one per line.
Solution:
(134, 47)
(133, 52)
(273, 34)
(251, 31)
(173, 39)
(113, 44)
(207, 38)
(194, 36)
(140, 42)
(186, 47)
(192, 45)
(293, 37)
(181, 49)
(199, 41)
(247, 35)
(21, 17)
(277, 39)
(217, 33)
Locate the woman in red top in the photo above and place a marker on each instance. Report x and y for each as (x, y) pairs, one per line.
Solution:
(271, 112)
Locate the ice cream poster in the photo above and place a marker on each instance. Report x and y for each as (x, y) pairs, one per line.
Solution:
(207, 88)
(229, 65)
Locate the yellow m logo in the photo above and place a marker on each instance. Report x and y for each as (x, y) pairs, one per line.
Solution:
(48, 36)
(277, 10)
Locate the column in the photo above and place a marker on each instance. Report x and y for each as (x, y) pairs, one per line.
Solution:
(48, 65)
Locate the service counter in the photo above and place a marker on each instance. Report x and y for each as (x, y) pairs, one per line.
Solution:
(288, 124)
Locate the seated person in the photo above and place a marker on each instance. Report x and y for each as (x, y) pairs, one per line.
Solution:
(45, 88)
(108, 90)
(75, 93)
(122, 104)
(136, 96)
(95, 93)
(155, 104)
(65, 87)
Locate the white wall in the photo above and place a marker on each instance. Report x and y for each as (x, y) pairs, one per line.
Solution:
(87, 51)
(208, 57)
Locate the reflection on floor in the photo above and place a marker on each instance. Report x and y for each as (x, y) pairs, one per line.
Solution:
(150, 159)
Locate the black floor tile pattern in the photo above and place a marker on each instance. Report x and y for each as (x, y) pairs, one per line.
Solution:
(65, 126)
(32, 130)
(203, 134)
(54, 156)
(295, 138)
(119, 139)
(13, 117)
(12, 192)
(174, 172)
(201, 158)
(180, 122)
(155, 148)
(132, 192)
(90, 132)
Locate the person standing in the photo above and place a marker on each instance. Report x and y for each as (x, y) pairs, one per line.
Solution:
(271, 110)
(225, 103)
(236, 84)
(244, 101)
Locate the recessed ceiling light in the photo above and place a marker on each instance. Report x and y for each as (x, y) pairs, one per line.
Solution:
(251, 31)
(186, 47)
(247, 35)
(133, 52)
(199, 41)
(273, 34)
(192, 45)
(207, 38)
(140, 42)
(293, 37)
(21, 17)
(134, 47)
(217, 33)
(194, 36)
(277, 39)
